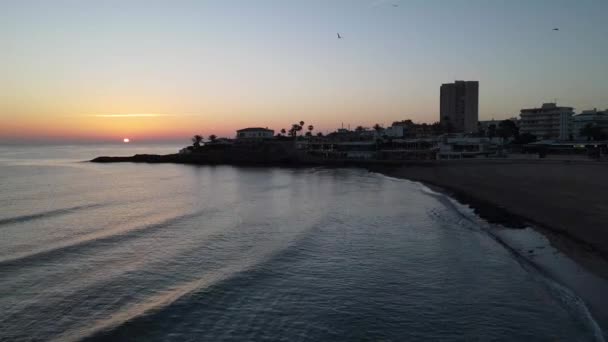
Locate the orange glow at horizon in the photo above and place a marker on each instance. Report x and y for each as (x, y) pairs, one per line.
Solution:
(155, 126)
(83, 116)
(110, 127)
(143, 111)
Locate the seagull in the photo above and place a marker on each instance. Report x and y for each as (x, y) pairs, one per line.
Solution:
(339, 36)
(556, 29)
(395, 5)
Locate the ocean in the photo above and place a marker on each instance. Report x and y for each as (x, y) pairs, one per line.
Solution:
(163, 252)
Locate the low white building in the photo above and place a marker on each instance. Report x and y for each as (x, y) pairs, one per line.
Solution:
(394, 131)
(254, 133)
(458, 147)
(590, 117)
(547, 122)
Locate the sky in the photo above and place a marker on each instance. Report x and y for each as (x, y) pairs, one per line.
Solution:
(165, 70)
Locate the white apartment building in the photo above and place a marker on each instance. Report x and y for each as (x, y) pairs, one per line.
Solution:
(594, 117)
(547, 122)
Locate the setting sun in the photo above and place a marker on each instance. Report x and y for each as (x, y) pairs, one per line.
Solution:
(126, 140)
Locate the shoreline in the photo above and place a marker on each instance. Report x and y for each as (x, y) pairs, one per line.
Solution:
(562, 263)
(577, 249)
(578, 244)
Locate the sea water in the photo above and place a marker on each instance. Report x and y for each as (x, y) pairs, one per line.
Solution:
(162, 252)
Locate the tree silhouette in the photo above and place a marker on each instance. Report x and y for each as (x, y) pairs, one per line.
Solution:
(196, 140)
(592, 132)
(507, 129)
(295, 128)
(378, 128)
(283, 131)
(212, 137)
(359, 129)
(525, 138)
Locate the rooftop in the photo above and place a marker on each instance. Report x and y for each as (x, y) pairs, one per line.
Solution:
(547, 107)
(251, 129)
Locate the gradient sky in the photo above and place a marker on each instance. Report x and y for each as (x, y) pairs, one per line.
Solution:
(154, 70)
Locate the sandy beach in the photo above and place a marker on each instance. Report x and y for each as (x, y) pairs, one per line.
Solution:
(566, 198)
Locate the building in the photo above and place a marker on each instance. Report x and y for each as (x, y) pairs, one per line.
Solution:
(334, 149)
(592, 117)
(395, 131)
(254, 133)
(547, 122)
(459, 106)
(459, 147)
(408, 149)
(568, 149)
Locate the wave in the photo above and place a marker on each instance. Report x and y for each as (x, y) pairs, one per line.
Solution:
(47, 214)
(155, 305)
(190, 295)
(91, 240)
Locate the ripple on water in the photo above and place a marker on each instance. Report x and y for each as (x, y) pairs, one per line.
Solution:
(222, 253)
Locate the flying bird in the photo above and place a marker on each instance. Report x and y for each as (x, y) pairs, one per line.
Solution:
(339, 36)
(556, 29)
(395, 5)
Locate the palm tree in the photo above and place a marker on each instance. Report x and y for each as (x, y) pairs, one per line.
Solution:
(196, 140)
(320, 134)
(295, 128)
(212, 137)
(359, 129)
(310, 128)
(283, 131)
(377, 128)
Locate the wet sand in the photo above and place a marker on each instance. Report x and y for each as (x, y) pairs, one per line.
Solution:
(567, 199)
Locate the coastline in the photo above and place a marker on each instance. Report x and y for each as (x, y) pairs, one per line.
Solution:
(569, 267)
(564, 201)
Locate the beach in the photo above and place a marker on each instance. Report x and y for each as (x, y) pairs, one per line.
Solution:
(567, 198)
